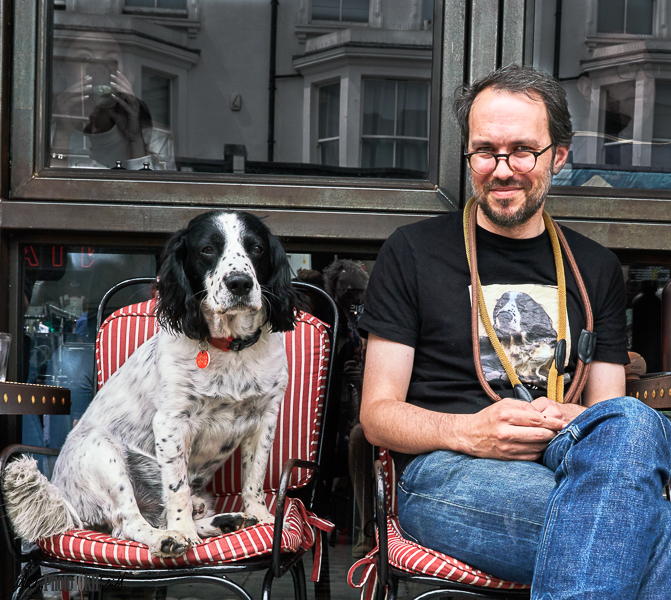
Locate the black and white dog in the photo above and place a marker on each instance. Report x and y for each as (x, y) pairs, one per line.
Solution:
(138, 461)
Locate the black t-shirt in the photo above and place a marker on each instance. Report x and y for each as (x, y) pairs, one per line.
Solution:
(419, 295)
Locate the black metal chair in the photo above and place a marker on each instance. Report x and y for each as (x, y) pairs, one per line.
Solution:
(289, 491)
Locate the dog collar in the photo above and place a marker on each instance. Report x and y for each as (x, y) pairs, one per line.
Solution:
(225, 344)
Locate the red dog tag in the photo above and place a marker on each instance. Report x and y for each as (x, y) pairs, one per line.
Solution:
(203, 359)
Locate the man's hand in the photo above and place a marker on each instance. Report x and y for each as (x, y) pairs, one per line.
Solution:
(550, 408)
(508, 430)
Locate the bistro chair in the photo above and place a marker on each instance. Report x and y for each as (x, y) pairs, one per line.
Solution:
(396, 559)
(290, 485)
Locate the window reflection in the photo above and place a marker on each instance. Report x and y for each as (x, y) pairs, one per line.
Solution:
(153, 84)
(62, 287)
(613, 59)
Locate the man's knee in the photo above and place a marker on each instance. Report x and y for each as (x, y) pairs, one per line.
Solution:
(632, 419)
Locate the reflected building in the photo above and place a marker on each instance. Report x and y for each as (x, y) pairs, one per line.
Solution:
(318, 87)
(613, 57)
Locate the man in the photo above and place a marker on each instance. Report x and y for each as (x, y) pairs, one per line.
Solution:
(568, 496)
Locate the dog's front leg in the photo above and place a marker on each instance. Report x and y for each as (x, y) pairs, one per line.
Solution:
(173, 441)
(255, 451)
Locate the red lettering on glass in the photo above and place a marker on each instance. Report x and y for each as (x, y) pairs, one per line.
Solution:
(53, 256)
(30, 256)
(87, 257)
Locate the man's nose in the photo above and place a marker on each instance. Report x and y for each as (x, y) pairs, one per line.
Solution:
(502, 170)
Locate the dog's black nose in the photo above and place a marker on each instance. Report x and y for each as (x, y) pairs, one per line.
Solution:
(239, 284)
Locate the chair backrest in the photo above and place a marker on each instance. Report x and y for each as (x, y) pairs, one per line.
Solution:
(385, 458)
(300, 418)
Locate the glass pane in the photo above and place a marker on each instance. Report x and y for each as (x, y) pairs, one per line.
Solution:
(328, 10)
(355, 10)
(136, 91)
(412, 155)
(174, 4)
(378, 107)
(330, 153)
(412, 109)
(427, 10)
(377, 153)
(611, 16)
(329, 111)
(619, 99)
(639, 16)
(63, 286)
(141, 3)
(156, 95)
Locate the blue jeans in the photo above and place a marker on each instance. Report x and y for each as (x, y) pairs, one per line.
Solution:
(589, 523)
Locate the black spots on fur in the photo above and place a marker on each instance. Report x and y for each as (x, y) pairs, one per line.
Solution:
(175, 487)
(121, 488)
(244, 464)
(178, 519)
(164, 440)
(185, 413)
(179, 510)
(227, 447)
(197, 482)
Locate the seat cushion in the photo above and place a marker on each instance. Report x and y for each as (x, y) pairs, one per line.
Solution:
(413, 558)
(93, 547)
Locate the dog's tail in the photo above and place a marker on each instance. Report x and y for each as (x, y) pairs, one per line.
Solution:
(36, 507)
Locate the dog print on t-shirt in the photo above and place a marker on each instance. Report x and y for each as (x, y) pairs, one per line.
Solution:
(526, 320)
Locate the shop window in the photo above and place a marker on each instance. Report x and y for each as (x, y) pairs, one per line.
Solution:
(62, 287)
(136, 92)
(395, 126)
(618, 93)
(625, 16)
(329, 125)
(355, 11)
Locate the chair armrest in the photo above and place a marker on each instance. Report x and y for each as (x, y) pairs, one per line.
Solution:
(289, 466)
(381, 520)
(7, 532)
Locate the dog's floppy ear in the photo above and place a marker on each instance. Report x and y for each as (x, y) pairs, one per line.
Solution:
(282, 299)
(177, 308)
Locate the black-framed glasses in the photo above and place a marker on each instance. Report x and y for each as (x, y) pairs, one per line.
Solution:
(520, 161)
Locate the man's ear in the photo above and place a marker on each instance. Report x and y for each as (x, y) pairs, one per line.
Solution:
(561, 155)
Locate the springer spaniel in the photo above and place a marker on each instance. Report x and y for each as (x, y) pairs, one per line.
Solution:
(138, 461)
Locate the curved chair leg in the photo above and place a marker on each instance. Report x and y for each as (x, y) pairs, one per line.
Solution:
(298, 575)
(25, 584)
(267, 585)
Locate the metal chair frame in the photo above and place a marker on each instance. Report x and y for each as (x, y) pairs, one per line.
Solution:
(276, 564)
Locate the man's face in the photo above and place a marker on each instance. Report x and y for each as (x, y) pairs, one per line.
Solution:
(501, 122)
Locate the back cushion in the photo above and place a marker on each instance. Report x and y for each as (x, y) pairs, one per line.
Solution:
(300, 416)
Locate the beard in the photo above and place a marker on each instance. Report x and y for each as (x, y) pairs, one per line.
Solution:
(535, 197)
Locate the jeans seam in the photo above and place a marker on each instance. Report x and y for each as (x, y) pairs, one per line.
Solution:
(462, 506)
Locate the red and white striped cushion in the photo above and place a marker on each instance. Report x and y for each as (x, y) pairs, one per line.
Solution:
(123, 332)
(413, 558)
(91, 547)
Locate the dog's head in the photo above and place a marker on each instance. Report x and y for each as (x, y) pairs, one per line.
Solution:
(224, 265)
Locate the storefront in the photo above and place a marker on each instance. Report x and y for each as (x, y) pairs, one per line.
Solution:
(331, 119)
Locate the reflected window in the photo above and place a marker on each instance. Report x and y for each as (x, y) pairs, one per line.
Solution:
(62, 288)
(160, 4)
(617, 88)
(355, 11)
(625, 16)
(329, 124)
(395, 124)
(135, 86)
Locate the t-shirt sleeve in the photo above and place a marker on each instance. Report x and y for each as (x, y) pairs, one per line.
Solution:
(610, 320)
(391, 307)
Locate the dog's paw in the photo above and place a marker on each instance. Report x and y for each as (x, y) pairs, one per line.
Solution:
(171, 544)
(200, 507)
(229, 522)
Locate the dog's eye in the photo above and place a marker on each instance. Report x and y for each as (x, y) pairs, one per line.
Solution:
(257, 250)
(207, 250)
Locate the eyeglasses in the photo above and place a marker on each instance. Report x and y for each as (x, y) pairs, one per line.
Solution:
(520, 161)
